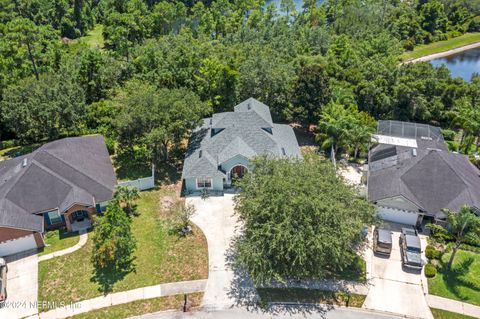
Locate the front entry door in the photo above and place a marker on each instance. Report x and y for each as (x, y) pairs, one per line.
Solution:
(79, 215)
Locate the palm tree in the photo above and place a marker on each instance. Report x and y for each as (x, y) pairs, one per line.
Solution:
(464, 225)
(333, 124)
(126, 198)
(467, 117)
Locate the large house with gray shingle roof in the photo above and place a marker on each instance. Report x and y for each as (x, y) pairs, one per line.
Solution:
(61, 184)
(219, 150)
(412, 176)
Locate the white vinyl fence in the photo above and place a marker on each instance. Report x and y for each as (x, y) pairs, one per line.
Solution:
(141, 183)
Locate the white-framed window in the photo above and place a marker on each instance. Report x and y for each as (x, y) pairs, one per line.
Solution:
(54, 217)
(204, 183)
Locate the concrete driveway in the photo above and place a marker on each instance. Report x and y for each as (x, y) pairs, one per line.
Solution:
(215, 216)
(394, 289)
(22, 286)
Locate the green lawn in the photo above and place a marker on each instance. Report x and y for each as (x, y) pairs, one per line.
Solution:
(463, 282)
(162, 256)
(93, 39)
(301, 295)
(442, 314)
(357, 272)
(56, 240)
(140, 307)
(441, 46)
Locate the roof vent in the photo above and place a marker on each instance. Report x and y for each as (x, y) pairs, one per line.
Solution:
(414, 152)
(283, 152)
(248, 106)
(24, 162)
(200, 154)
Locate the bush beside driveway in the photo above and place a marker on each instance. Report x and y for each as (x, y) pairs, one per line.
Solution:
(162, 256)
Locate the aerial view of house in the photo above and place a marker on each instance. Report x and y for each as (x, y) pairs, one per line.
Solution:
(412, 176)
(206, 158)
(220, 149)
(61, 184)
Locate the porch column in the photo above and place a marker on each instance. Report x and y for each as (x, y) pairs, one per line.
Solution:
(68, 222)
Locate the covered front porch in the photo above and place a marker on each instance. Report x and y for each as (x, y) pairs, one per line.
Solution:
(79, 218)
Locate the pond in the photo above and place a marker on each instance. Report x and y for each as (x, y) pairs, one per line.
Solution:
(463, 64)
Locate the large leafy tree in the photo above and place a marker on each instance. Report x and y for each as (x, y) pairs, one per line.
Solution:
(462, 226)
(46, 109)
(157, 118)
(311, 91)
(300, 220)
(27, 45)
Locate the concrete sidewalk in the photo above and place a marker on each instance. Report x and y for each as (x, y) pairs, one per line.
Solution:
(118, 298)
(82, 241)
(453, 306)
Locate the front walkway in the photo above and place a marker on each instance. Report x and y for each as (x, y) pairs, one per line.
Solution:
(81, 242)
(162, 290)
(453, 306)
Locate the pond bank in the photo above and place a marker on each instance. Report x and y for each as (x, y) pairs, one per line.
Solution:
(445, 53)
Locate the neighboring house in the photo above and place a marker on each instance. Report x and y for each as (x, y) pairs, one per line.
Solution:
(220, 149)
(61, 184)
(412, 176)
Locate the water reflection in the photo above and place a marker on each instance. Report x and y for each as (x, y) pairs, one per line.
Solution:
(463, 64)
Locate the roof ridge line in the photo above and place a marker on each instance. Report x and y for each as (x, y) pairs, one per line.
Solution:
(78, 171)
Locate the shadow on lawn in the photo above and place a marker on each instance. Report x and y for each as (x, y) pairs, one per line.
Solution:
(107, 277)
(454, 279)
(244, 293)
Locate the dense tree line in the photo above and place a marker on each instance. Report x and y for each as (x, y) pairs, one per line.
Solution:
(166, 64)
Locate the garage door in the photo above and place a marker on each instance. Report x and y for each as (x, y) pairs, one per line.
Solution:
(397, 216)
(17, 245)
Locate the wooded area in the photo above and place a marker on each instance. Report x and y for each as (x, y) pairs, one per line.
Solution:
(166, 64)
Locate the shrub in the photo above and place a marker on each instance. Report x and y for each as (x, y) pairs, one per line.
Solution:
(430, 270)
(8, 144)
(474, 25)
(449, 135)
(432, 253)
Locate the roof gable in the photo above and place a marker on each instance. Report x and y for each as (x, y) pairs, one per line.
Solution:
(253, 105)
(433, 182)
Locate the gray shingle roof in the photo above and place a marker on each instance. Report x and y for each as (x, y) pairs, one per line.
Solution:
(433, 179)
(258, 107)
(243, 134)
(57, 175)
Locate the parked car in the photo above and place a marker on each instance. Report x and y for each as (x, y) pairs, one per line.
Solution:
(382, 241)
(411, 249)
(3, 281)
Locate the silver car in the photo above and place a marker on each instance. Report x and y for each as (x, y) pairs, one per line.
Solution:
(411, 249)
